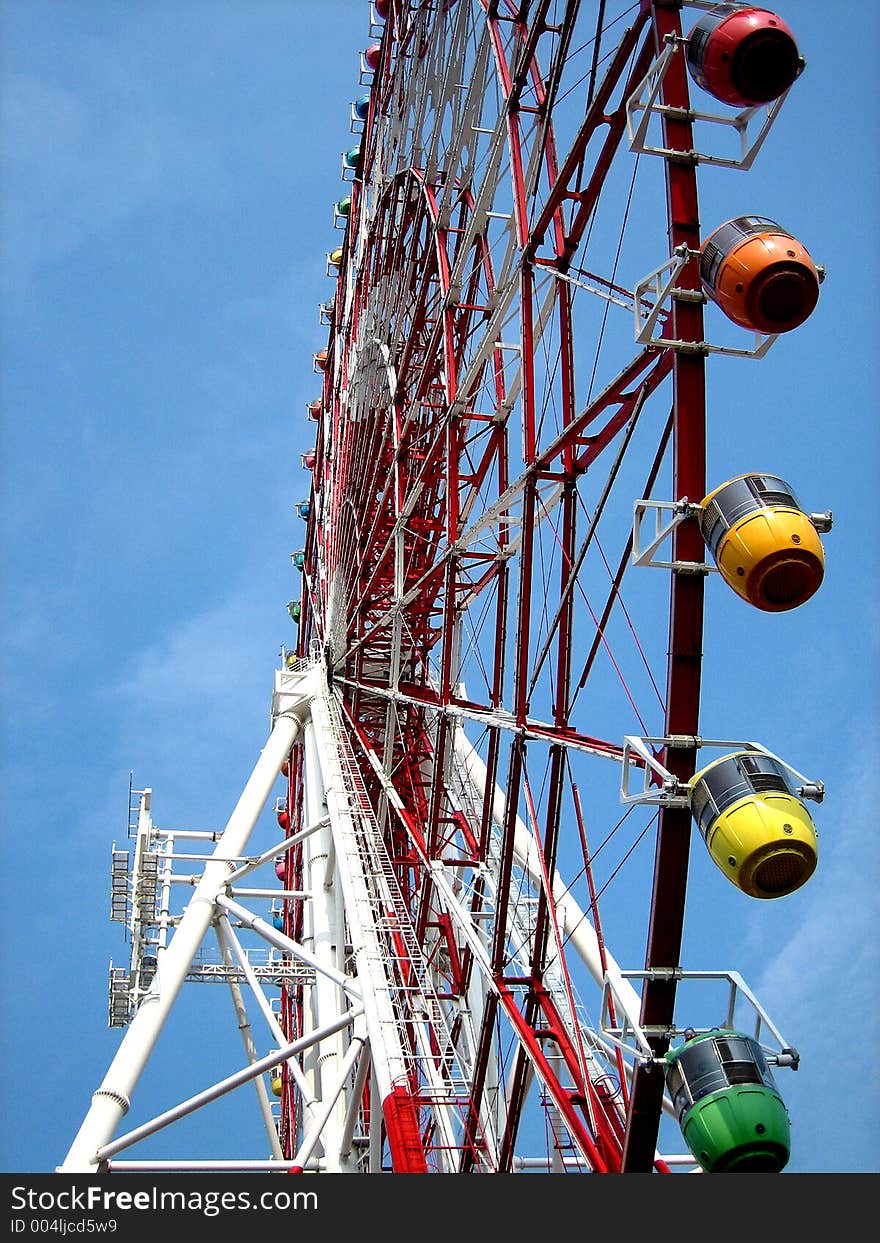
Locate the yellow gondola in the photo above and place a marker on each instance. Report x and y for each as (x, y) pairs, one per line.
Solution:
(758, 831)
(766, 547)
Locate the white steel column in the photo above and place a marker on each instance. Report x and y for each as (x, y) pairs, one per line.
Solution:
(389, 1064)
(112, 1099)
(250, 1048)
(492, 1110)
(332, 1093)
(227, 936)
(165, 903)
(322, 922)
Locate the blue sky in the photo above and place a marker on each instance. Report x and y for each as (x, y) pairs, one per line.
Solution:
(169, 171)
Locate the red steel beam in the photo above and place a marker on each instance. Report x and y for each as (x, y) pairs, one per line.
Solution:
(570, 169)
(686, 609)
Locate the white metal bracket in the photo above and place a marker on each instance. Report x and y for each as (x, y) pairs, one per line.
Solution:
(653, 297)
(643, 105)
(669, 791)
(667, 516)
(377, 23)
(634, 1038)
(294, 688)
(638, 753)
(366, 75)
(623, 1030)
(652, 293)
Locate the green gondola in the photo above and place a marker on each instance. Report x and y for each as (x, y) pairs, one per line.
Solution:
(727, 1103)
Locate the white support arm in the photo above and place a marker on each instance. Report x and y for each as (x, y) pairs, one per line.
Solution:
(111, 1101)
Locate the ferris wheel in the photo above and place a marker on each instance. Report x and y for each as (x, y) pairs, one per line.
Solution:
(489, 725)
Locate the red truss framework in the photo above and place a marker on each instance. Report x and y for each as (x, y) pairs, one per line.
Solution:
(472, 467)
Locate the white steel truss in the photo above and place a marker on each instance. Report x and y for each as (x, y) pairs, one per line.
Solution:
(375, 1019)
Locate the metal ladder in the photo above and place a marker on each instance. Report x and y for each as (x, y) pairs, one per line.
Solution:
(422, 1031)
